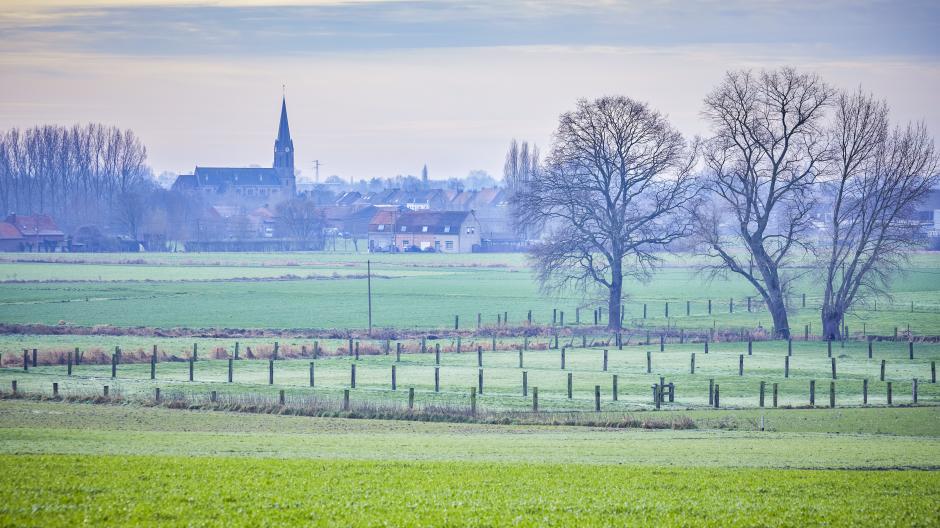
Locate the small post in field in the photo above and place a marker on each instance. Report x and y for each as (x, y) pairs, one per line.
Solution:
(473, 401)
(397, 352)
(882, 370)
(480, 381)
(761, 403)
(156, 395)
(437, 353)
(69, 365)
(525, 383)
(236, 349)
(270, 372)
(394, 380)
(711, 391)
(910, 349)
(106, 391)
(865, 391)
(190, 369)
(649, 362)
(717, 404)
(786, 367)
(153, 366)
(914, 391)
(562, 358)
(692, 364)
(312, 374)
(55, 390)
(346, 400)
(569, 385)
(13, 386)
(662, 342)
(614, 388)
(933, 372)
(213, 396)
(775, 395)
(231, 368)
(889, 393)
(411, 398)
(750, 346)
(479, 356)
(535, 399)
(437, 379)
(812, 393)
(828, 347)
(706, 345)
(113, 366)
(833, 368)
(520, 358)
(740, 364)
(280, 397)
(597, 398)
(352, 376)
(605, 360)
(869, 349)
(832, 394)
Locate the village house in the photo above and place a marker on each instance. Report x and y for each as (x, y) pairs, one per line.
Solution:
(439, 231)
(30, 233)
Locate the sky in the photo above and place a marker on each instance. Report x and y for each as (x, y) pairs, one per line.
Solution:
(380, 88)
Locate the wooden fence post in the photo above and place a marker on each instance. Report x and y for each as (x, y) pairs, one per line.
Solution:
(236, 349)
(828, 347)
(494, 343)
(394, 380)
(106, 391)
(352, 376)
(437, 353)
(13, 386)
(711, 391)
(276, 349)
(562, 358)
(910, 349)
(889, 393)
(833, 368)
(688, 308)
(459, 347)
(667, 310)
(480, 381)
(865, 391)
(345, 399)
(761, 394)
(597, 398)
(68, 365)
(789, 346)
(775, 395)
(750, 346)
(662, 342)
(740, 364)
(535, 399)
(520, 358)
(649, 362)
(196, 351)
(479, 356)
(832, 394)
(312, 373)
(230, 368)
(411, 398)
(473, 401)
(156, 395)
(191, 365)
(709, 307)
(397, 352)
(786, 367)
(55, 390)
(113, 366)
(933, 372)
(605, 360)
(706, 345)
(213, 396)
(882, 370)
(569, 384)
(35, 357)
(153, 366)
(437, 379)
(614, 388)
(717, 400)
(914, 391)
(525, 383)
(692, 364)
(869, 349)
(270, 372)
(812, 393)
(456, 322)
(356, 348)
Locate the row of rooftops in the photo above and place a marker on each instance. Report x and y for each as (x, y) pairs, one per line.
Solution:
(443, 199)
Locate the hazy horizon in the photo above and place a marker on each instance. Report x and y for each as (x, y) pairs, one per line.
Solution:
(376, 89)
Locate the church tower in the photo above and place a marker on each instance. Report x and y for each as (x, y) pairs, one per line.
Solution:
(284, 152)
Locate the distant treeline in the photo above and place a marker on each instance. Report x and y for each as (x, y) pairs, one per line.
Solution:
(78, 174)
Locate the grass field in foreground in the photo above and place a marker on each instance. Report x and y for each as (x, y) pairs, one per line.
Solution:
(69, 464)
(227, 290)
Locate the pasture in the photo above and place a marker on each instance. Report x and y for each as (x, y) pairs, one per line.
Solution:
(457, 440)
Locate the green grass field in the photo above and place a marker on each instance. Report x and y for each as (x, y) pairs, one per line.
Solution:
(67, 464)
(327, 290)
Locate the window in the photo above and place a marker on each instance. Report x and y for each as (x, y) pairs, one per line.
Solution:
(447, 229)
(449, 244)
(404, 243)
(424, 229)
(470, 230)
(404, 228)
(381, 227)
(437, 244)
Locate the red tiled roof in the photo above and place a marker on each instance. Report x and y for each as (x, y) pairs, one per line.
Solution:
(35, 225)
(9, 231)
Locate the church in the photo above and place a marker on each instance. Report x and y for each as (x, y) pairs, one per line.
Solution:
(248, 184)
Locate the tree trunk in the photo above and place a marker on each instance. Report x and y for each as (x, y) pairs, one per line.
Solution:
(778, 312)
(613, 304)
(832, 323)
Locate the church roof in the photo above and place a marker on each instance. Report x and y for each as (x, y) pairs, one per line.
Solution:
(236, 176)
(283, 130)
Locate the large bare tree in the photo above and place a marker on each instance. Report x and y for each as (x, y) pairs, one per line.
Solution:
(878, 176)
(615, 187)
(767, 148)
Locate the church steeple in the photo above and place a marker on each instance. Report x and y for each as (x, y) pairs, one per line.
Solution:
(284, 148)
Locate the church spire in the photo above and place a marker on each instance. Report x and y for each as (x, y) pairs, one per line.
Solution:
(284, 145)
(283, 131)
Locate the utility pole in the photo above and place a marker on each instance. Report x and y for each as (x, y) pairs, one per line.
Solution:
(316, 169)
(369, 289)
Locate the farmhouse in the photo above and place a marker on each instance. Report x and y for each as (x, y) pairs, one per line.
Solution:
(30, 233)
(249, 184)
(442, 231)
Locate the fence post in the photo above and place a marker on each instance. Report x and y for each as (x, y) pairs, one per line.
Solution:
(688, 308)
(68, 368)
(882, 370)
(692, 364)
(614, 388)
(394, 380)
(812, 393)
(213, 396)
(535, 399)
(717, 403)
(525, 383)
(277, 347)
(113, 366)
(156, 395)
(270, 372)
(706, 345)
(889, 393)
(411, 398)
(437, 379)
(153, 365)
(190, 369)
(933, 372)
(473, 401)
(806, 333)
(750, 346)
(833, 368)
(520, 358)
(569, 384)
(106, 391)
(424, 344)
(459, 347)
(869, 349)
(480, 381)
(352, 376)
(597, 398)
(914, 391)
(731, 305)
(789, 346)
(345, 399)
(437, 353)
(494, 343)
(13, 386)
(865, 391)
(230, 368)
(196, 351)
(397, 352)
(662, 342)
(828, 347)
(479, 356)
(667, 309)
(236, 349)
(910, 349)
(35, 357)
(312, 374)
(561, 319)
(711, 391)
(562, 358)
(605, 360)
(55, 390)
(740, 364)
(649, 362)
(775, 395)
(762, 394)
(356, 351)
(832, 394)
(709, 307)
(456, 322)
(786, 367)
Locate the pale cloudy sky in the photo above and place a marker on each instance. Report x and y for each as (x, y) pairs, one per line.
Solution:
(380, 88)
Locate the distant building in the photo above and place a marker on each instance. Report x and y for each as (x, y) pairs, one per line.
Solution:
(440, 231)
(30, 233)
(248, 184)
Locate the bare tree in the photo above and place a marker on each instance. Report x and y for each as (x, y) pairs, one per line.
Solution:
(616, 187)
(762, 161)
(303, 221)
(521, 166)
(878, 177)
